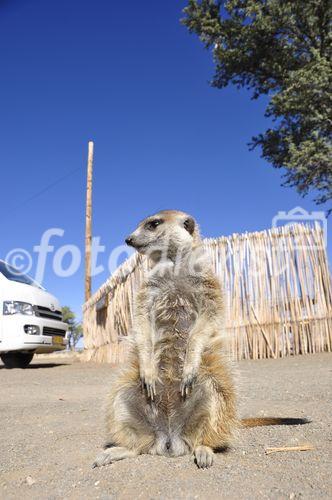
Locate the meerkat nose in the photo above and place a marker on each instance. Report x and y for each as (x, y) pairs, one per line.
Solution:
(129, 241)
(168, 444)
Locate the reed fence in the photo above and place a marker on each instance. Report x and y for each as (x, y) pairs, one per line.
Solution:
(277, 289)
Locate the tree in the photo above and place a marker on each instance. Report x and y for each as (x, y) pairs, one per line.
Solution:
(75, 328)
(282, 49)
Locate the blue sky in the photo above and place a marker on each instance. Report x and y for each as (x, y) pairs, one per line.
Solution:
(130, 77)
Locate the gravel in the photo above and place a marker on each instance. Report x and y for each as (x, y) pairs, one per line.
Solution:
(52, 428)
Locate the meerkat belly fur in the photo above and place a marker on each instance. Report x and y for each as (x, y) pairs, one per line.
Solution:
(175, 395)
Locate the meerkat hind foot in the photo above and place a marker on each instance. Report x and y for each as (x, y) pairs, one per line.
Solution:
(111, 455)
(203, 456)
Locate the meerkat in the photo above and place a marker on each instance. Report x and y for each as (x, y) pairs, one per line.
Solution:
(175, 395)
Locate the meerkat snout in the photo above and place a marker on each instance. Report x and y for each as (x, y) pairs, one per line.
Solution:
(129, 241)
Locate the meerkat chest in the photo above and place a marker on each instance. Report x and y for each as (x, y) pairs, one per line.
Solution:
(174, 305)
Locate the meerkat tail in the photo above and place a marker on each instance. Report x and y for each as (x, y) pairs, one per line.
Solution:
(264, 421)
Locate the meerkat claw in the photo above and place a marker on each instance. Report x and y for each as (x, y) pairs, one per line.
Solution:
(187, 385)
(149, 388)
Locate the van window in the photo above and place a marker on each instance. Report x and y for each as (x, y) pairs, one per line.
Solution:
(13, 274)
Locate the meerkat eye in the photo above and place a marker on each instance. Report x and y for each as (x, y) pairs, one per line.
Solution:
(152, 224)
(189, 225)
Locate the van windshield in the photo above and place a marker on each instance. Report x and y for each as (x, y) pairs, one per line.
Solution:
(13, 274)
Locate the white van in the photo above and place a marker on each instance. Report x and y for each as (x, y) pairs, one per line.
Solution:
(30, 319)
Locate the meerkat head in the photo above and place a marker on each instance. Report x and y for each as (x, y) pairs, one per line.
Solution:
(165, 233)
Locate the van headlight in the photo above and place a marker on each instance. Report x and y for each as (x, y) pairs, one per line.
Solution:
(15, 307)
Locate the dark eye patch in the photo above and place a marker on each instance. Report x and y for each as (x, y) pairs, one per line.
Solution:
(152, 224)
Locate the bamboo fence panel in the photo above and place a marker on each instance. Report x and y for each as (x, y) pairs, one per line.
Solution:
(277, 288)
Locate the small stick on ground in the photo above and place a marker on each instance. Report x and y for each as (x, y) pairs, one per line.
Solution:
(302, 447)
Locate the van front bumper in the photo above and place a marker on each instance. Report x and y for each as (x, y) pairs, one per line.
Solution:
(53, 334)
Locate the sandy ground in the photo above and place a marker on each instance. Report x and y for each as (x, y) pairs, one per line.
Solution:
(52, 428)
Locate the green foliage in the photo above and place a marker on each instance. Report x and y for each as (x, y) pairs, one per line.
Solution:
(75, 328)
(279, 48)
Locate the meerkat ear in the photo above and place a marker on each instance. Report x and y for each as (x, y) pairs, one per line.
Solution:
(189, 225)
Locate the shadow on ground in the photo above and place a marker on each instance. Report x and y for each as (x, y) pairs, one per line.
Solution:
(36, 366)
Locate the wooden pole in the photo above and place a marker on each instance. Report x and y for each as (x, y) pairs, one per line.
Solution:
(88, 223)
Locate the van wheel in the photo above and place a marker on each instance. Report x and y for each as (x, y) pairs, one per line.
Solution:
(16, 359)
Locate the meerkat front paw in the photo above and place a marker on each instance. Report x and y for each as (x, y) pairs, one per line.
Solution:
(149, 378)
(188, 379)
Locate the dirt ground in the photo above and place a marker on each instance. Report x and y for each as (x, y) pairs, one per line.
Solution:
(52, 428)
